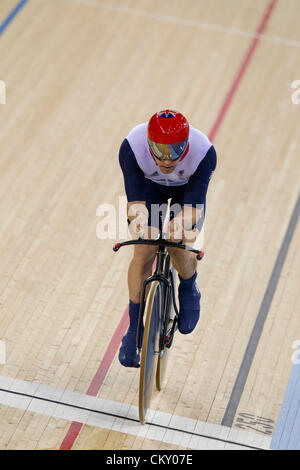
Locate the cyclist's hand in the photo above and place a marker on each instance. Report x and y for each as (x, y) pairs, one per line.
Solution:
(137, 213)
(138, 226)
(176, 232)
(182, 227)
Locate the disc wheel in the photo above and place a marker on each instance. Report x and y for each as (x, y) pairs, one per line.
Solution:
(150, 349)
(163, 357)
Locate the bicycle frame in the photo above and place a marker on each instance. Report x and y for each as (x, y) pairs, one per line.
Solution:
(159, 326)
(160, 274)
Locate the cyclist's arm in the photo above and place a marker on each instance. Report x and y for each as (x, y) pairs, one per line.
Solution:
(194, 196)
(134, 179)
(134, 182)
(196, 188)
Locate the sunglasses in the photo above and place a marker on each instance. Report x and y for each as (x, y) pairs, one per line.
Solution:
(175, 151)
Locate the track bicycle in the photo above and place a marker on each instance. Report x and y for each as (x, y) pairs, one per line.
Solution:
(159, 315)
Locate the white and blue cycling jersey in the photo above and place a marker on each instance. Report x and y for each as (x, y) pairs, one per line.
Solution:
(187, 184)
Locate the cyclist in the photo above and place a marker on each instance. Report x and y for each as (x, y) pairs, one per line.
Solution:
(165, 158)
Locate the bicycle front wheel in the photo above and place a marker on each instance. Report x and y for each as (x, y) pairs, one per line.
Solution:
(150, 349)
(166, 336)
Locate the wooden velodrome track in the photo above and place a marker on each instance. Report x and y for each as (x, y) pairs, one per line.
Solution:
(78, 74)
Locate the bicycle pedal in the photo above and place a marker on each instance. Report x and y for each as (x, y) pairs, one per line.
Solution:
(170, 333)
(169, 339)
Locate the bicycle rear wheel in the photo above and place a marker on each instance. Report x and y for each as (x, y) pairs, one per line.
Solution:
(150, 349)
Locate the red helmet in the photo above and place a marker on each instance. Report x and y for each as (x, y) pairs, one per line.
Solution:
(171, 128)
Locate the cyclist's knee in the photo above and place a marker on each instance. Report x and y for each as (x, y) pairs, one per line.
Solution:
(144, 255)
(184, 262)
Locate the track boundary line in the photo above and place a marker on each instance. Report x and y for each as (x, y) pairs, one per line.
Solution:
(12, 15)
(245, 366)
(114, 415)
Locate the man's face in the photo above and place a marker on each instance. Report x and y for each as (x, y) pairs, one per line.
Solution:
(165, 163)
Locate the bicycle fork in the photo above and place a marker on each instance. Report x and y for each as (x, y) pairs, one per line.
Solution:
(166, 339)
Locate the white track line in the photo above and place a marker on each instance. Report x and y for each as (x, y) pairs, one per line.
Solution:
(107, 414)
(187, 22)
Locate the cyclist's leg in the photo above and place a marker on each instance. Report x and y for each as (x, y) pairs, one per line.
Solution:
(185, 264)
(189, 296)
(139, 270)
(141, 264)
